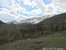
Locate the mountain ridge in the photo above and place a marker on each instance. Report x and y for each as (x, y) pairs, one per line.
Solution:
(28, 30)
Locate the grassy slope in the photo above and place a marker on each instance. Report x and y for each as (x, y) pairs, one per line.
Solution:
(57, 41)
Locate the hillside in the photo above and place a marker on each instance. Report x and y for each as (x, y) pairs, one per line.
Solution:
(50, 41)
(47, 26)
(1, 22)
(54, 24)
(57, 19)
(12, 32)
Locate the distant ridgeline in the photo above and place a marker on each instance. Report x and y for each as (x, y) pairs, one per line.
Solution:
(45, 27)
(27, 30)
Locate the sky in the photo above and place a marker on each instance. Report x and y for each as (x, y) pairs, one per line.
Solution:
(22, 9)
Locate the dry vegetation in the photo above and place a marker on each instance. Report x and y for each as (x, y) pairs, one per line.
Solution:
(48, 33)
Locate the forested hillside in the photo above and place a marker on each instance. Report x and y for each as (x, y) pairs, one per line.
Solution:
(11, 32)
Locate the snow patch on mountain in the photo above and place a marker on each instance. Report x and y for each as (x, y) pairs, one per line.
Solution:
(33, 20)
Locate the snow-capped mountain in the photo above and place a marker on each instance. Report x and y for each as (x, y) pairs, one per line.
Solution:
(33, 20)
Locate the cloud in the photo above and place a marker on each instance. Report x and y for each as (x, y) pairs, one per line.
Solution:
(4, 12)
(47, 1)
(29, 6)
(55, 7)
(60, 1)
(29, 3)
(45, 7)
(6, 18)
(36, 11)
(16, 8)
(61, 4)
(22, 9)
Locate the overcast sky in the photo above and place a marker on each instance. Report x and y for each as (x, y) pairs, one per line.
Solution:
(22, 9)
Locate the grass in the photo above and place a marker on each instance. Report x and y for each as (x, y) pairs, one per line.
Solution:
(57, 40)
(5, 39)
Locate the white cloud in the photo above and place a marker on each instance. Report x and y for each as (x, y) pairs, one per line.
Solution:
(61, 4)
(4, 1)
(27, 2)
(12, 8)
(46, 8)
(36, 11)
(17, 11)
(33, 4)
(17, 7)
(60, 1)
(53, 8)
(4, 12)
